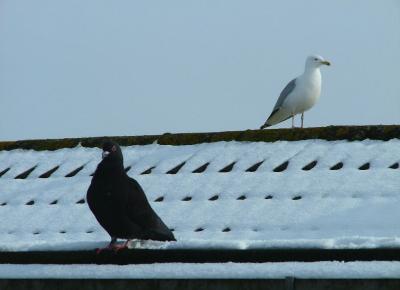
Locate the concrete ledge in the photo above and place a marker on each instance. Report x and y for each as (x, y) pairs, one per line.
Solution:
(203, 284)
(351, 133)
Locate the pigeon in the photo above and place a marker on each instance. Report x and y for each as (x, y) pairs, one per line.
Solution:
(300, 94)
(119, 203)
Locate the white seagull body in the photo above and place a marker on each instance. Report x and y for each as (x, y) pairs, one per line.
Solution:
(299, 95)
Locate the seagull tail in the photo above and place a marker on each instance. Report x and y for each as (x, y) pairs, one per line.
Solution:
(266, 125)
(268, 122)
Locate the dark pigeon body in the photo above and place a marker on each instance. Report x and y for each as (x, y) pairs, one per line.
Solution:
(119, 203)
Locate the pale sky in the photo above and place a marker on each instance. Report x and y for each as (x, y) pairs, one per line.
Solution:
(74, 68)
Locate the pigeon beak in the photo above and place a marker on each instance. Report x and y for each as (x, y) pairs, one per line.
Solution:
(105, 154)
(325, 62)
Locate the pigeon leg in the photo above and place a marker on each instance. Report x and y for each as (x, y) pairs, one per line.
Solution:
(117, 248)
(302, 119)
(110, 246)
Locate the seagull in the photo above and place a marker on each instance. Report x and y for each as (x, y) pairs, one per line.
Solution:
(300, 94)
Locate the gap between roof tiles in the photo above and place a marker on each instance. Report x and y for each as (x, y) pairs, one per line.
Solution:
(365, 166)
(281, 167)
(75, 171)
(26, 173)
(202, 168)
(159, 199)
(148, 171)
(176, 169)
(337, 166)
(4, 171)
(214, 197)
(81, 201)
(310, 165)
(48, 173)
(254, 167)
(228, 168)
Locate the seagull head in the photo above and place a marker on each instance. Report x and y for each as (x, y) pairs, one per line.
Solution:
(315, 61)
(111, 151)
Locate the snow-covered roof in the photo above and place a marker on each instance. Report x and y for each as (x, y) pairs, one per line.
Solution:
(318, 270)
(285, 194)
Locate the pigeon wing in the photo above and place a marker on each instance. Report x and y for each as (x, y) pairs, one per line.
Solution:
(141, 213)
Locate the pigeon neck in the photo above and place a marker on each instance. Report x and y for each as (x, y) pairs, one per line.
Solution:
(112, 167)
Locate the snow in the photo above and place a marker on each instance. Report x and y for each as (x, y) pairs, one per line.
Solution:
(315, 270)
(318, 208)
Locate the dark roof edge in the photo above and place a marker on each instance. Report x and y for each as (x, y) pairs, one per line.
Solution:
(150, 256)
(330, 133)
(372, 282)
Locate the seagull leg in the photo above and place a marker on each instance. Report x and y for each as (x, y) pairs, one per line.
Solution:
(302, 119)
(292, 121)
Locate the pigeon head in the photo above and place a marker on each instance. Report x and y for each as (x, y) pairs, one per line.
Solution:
(112, 152)
(315, 61)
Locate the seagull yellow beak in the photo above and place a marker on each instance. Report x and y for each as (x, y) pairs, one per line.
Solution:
(326, 62)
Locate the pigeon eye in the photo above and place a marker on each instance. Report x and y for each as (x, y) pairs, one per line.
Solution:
(105, 154)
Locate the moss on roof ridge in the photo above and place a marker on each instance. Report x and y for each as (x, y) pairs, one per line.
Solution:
(330, 133)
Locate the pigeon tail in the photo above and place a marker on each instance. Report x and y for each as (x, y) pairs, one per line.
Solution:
(157, 236)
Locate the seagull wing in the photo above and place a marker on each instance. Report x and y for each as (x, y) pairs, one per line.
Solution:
(282, 97)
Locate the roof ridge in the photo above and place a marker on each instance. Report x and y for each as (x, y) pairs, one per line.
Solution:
(329, 133)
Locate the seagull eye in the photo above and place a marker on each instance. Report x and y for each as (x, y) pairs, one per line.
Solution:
(315, 58)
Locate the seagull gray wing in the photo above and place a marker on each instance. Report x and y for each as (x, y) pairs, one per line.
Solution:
(282, 97)
(286, 91)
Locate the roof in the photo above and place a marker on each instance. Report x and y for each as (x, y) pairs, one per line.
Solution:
(283, 205)
(235, 194)
(330, 133)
